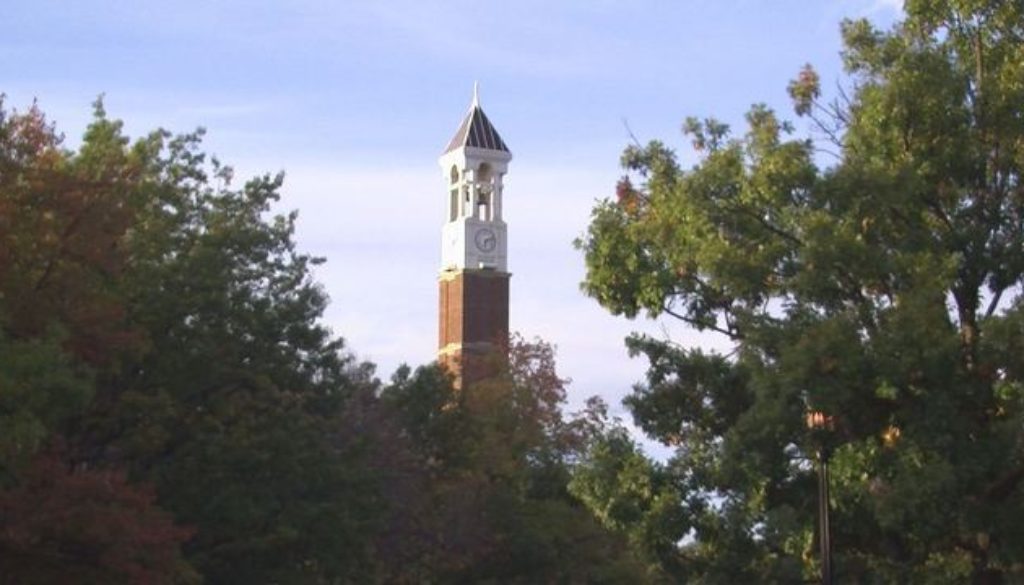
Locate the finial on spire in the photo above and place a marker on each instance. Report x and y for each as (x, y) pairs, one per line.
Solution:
(476, 94)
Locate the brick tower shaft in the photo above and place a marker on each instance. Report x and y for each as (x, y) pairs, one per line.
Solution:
(473, 327)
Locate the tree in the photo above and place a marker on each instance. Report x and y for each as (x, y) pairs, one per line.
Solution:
(162, 325)
(61, 321)
(61, 220)
(61, 525)
(630, 494)
(174, 409)
(236, 407)
(60, 315)
(875, 287)
(495, 460)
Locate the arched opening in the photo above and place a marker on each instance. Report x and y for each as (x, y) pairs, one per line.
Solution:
(483, 172)
(484, 193)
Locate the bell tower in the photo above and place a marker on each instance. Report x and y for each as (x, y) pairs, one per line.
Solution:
(474, 275)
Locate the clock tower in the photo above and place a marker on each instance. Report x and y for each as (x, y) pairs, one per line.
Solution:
(474, 250)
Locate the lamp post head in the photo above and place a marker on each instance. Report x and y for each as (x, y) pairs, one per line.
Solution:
(820, 427)
(819, 421)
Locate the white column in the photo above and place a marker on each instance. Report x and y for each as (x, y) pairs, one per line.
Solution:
(498, 187)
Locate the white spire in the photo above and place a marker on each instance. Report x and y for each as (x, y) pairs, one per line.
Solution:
(476, 94)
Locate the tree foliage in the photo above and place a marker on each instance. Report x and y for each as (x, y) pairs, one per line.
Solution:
(881, 286)
(174, 411)
(81, 526)
(161, 324)
(61, 324)
(630, 494)
(234, 407)
(498, 456)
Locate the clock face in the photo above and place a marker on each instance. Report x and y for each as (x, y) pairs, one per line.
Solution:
(485, 239)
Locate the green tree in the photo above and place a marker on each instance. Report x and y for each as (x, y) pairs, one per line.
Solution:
(62, 218)
(630, 494)
(60, 315)
(236, 406)
(497, 458)
(160, 322)
(61, 324)
(881, 287)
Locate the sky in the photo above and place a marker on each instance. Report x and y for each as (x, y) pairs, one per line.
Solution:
(354, 101)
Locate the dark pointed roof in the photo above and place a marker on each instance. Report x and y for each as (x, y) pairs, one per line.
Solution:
(476, 131)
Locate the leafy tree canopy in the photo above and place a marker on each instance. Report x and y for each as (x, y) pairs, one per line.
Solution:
(872, 272)
(174, 411)
(159, 322)
(498, 455)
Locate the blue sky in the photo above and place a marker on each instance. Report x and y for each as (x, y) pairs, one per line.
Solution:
(355, 100)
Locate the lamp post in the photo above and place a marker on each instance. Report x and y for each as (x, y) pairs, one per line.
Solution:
(819, 423)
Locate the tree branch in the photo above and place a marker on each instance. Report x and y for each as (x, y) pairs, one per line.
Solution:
(1002, 488)
(731, 334)
(770, 226)
(994, 303)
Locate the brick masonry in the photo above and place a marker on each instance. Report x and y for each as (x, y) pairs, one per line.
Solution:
(473, 321)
